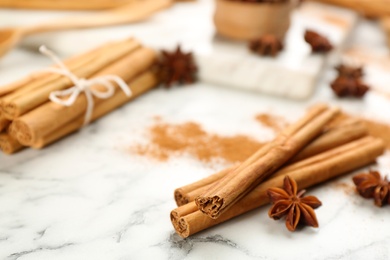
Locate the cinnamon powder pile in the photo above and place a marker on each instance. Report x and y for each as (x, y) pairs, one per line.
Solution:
(167, 140)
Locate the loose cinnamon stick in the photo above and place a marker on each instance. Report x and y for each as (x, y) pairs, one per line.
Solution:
(333, 138)
(43, 120)
(188, 193)
(8, 144)
(314, 160)
(138, 86)
(188, 220)
(16, 106)
(249, 174)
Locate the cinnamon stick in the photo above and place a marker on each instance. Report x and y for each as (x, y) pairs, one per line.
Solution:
(4, 90)
(332, 138)
(188, 220)
(41, 78)
(15, 106)
(256, 169)
(188, 193)
(43, 120)
(8, 144)
(4, 123)
(138, 86)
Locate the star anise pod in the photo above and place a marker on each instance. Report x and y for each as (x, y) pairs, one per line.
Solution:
(288, 201)
(346, 86)
(349, 71)
(176, 67)
(318, 43)
(267, 44)
(371, 185)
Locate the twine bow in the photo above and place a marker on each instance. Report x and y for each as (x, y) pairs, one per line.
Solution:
(82, 85)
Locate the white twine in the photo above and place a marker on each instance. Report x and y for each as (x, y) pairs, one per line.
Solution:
(82, 85)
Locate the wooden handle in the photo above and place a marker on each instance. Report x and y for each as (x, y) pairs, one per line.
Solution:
(129, 13)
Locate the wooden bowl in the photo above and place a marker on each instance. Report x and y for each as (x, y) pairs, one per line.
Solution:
(247, 20)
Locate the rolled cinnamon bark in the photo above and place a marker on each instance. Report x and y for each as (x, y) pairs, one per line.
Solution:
(43, 120)
(253, 171)
(8, 144)
(4, 123)
(5, 90)
(188, 193)
(188, 220)
(138, 86)
(38, 79)
(11, 131)
(19, 105)
(331, 139)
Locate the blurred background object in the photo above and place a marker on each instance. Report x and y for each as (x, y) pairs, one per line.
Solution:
(373, 8)
(244, 20)
(64, 4)
(385, 22)
(132, 12)
(294, 72)
(69, 4)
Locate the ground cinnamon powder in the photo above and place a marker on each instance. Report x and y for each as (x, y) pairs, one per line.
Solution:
(346, 187)
(167, 140)
(272, 121)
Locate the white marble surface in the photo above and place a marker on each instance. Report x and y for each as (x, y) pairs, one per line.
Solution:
(88, 197)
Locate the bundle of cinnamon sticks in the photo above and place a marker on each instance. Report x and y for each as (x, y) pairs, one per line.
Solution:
(28, 118)
(311, 151)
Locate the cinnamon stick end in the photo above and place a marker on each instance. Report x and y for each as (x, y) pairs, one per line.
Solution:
(180, 198)
(22, 132)
(180, 224)
(211, 206)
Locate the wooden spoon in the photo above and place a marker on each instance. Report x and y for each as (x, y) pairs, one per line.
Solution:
(133, 12)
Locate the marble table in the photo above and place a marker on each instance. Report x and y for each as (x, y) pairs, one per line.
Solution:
(89, 197)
